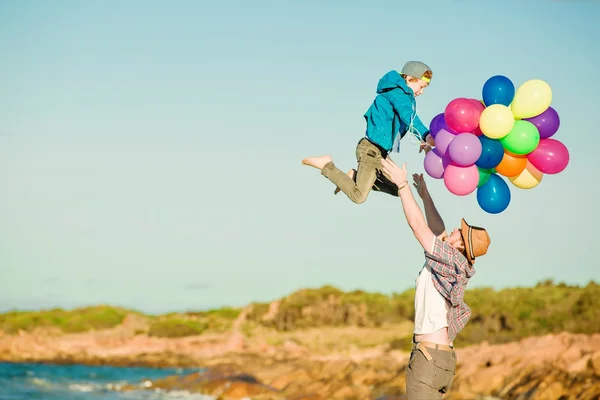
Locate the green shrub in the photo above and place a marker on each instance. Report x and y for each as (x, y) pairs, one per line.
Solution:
(225, 313)
(174, 328)
(497, 316)
(77, 320)
(402, 344)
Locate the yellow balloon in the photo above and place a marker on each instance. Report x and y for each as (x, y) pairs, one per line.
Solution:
(529, 178)
(531, 98)
(496, 121)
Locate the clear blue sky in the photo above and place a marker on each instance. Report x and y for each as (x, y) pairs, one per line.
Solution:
(150, 151)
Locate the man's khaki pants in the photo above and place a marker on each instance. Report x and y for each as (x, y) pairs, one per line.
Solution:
(430, 371)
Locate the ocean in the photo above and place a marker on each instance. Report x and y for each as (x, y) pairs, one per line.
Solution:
(80, 382)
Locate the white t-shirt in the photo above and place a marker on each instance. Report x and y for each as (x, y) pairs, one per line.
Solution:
(431, 308)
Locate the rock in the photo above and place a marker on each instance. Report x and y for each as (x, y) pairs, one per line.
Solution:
(364, 376)
(240, 390)
(294, 349)
(307, 397)
(352, 393)
(236, 341)
(337, 369)
(297, 376)
(553, 391)
(595, 364)
(238, 366)
(580, 365)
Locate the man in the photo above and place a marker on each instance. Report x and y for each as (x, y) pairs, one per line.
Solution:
(440, 310)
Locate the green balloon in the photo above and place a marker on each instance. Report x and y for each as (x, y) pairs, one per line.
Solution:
(522, 139)
(484, 176)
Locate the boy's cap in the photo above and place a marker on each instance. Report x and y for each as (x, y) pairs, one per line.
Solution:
(416, 69)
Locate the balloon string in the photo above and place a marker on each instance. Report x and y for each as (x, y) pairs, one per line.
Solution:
(413, 139)
(416, 142)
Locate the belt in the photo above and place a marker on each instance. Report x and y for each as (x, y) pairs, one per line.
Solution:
(384, 152)
(422, 347)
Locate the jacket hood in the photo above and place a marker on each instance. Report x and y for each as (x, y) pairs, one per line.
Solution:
(393, 80)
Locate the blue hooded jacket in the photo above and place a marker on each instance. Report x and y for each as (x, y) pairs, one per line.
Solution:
(393, 111)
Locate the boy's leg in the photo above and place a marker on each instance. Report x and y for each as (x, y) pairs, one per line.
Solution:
(382, 183)
(351, 174)
(369, 159)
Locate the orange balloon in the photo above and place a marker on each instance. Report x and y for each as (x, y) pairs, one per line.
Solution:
(511, 164)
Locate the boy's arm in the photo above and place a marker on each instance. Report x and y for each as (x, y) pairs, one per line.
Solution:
(422, 131)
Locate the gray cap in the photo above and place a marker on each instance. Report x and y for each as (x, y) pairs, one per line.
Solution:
(416, 69)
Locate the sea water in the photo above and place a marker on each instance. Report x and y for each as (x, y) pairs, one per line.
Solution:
(80, 382)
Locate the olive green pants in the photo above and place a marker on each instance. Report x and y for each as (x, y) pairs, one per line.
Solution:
(429, 373)
(369, 174)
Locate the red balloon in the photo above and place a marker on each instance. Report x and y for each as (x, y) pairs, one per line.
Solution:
(462, 115)
(481, 107)
(550, 156)
(478, 103)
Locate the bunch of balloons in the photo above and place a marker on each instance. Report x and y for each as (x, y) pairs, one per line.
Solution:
(506, 134)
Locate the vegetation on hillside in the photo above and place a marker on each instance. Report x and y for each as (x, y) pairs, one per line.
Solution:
(497, 316)
(78, 320)
(106, 317)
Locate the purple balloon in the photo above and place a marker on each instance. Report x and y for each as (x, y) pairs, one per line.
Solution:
(435, 164)
(465, 149)
(547, 122)
(442, 141)
(437, 124)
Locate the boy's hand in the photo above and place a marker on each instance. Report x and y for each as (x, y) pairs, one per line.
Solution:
(430, 140)
(394, 172)
(427, 145)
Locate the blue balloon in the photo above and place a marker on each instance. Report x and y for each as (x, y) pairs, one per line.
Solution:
(494, 196)
(492, 152)
(498, 90)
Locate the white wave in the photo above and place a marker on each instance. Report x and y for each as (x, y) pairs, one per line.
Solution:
(41, 382)
(159, 394)
(82, 387)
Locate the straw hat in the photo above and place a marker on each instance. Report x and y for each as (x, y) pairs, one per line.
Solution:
(476, 241)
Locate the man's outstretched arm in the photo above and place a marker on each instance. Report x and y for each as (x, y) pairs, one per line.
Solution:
(434, 219)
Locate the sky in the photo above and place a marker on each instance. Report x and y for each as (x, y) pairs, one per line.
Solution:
(150, 151)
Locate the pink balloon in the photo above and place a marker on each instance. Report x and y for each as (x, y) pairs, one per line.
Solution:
(550, 156)
(465, 149)
(435, 164)
(442, 141)
(462, 115)
(461, 181)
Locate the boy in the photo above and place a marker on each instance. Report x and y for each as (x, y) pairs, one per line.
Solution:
(440, 309)
(392, 114)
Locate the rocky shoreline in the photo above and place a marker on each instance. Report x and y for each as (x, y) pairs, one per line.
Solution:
(562, 366)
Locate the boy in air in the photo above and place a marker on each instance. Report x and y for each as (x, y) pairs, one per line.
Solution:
(392, 114)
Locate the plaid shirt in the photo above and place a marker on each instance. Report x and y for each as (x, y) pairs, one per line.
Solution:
(450, 272)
